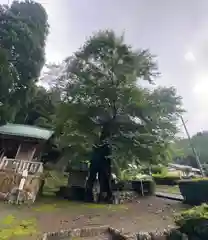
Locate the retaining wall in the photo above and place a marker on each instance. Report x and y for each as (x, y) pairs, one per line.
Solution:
(168, 234)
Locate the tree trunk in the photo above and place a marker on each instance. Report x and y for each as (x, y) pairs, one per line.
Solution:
(105, 182)
(40, 192)
(100, 164)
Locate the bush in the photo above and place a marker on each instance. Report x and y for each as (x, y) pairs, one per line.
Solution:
(169, 178)
(194, 191)
(157, 169)
(135, 185)
(194, 222)
(195, 179)
(166, 177)
(133, 172)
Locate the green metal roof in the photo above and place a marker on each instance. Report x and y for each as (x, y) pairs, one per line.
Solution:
(22, 130)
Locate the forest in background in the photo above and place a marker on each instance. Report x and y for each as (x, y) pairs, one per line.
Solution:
(184, 150)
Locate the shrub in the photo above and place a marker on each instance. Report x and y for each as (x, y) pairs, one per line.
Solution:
(194, 222)
(157, 169)
(196, 179)
(169, 175)
(147, 187)
(194, 191)
(133, 178)
(133, 172)
(166, 178)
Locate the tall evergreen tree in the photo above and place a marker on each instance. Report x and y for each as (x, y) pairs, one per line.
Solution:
(23, 31)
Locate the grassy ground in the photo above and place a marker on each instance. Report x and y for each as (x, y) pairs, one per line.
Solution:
(168, 189)
(52, 214)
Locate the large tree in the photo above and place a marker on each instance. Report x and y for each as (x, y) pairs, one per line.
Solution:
(23, 31)
(103, 102)
(7, 79)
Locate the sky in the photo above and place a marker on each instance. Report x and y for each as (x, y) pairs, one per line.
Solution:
(175, 31)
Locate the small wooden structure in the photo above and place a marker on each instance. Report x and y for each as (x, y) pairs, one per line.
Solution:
(21, 147)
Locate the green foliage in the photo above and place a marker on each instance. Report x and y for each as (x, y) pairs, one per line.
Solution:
(199, 141)
(23, 30)
(133, 172)
(102, 96)
(41, 109)
(196, 179)
(157, 168)
(153, 169)
(193, 222)
(166, 177)
(165, 173)
(96, 92)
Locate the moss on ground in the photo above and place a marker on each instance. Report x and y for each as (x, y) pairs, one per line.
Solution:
(46, 208)
(11, 227)
(54, 206)
(20, 223)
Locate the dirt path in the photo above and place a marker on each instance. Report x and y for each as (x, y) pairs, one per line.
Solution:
(147, 214)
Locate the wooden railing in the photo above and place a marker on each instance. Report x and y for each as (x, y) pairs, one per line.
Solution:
(20, 165)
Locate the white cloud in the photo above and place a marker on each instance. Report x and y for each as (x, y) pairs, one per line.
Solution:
(200, 88)
(189, 57)
(200, 99)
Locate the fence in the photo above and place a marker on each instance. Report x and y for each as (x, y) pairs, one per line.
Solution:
(9, 180)
(20, 165)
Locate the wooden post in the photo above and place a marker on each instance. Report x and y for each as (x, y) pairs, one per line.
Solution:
(2, 162)
(32, 155)
(2, 155)
(18, 150)
(22, 183)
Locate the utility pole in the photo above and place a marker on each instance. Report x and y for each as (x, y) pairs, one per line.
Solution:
(193, 148)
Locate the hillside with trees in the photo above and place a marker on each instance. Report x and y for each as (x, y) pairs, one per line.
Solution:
(200, 143)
